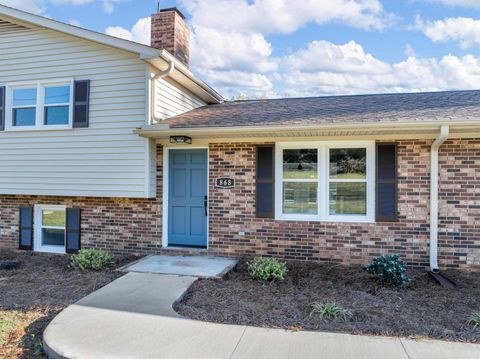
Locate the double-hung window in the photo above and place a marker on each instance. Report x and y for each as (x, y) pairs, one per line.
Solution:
(40, 105)
(50, 228)
(325, 181)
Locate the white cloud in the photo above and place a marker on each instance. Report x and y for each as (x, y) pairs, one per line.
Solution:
(474, 4)
(339, 76)
(140, 32)
(283, 16)
(325, 56)
(224, 50)
(409, 51)
(462, 30)
(232, 53)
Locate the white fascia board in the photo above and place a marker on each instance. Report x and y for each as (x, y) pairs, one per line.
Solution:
(159, 129)
(143, 50)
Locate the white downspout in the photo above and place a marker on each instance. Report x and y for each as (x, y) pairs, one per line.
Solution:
(441, 138)
(160, 75)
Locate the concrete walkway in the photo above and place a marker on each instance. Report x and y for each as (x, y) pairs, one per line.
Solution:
(132, 317)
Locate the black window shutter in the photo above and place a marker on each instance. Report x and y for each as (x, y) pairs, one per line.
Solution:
(265, 184)
(81, 98)
(26, 228)
(73, 230)
(2, 108)
(387, 183)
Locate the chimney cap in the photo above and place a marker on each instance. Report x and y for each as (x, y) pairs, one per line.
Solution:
(173, 9)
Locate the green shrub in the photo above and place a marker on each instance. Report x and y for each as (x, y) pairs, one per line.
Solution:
(264, 268)
(91, 259)
(331, 311)
(475, 320)
(389, 269)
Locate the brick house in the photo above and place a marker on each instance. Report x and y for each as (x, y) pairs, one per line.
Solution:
(116, 145)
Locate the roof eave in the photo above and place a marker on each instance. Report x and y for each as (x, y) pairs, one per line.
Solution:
(399, 130)
(143, 50)
(184, 76)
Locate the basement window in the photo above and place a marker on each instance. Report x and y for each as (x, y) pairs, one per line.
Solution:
(50, 228)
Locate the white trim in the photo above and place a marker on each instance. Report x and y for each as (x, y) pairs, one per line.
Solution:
(323, 181)
(40, 87)
(165, 172)
(37, 225)
(142, 50)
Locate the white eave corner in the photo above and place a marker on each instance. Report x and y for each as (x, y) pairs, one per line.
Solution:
(144, 51)
(185, 77)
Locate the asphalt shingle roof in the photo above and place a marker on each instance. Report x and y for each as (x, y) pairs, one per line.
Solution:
(409, 107)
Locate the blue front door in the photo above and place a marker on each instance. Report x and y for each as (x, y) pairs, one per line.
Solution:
(187, 198)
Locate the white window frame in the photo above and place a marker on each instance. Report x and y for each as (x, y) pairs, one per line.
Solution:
(323, 178)
(40, 106)
(38, 225)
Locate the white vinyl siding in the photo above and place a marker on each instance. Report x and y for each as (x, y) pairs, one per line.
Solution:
(106, 159)
(172, 99)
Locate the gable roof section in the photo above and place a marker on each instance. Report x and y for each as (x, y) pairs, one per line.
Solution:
(157, 58)
(457, 108)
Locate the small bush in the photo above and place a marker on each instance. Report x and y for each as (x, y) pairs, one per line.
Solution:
(475, 320)
(264, 268)
(331, 311)
(91, 259)
(389, 269)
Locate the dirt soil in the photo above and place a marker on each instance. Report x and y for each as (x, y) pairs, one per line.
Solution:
(422, 309)
(33, 294)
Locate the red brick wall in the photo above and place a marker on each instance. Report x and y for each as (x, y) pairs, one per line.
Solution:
(135, 225)
(233, 211)
(459, 203)
(169, 31)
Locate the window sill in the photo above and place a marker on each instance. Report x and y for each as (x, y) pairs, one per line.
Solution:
(39, 129)
(50, 249)
(328, 220)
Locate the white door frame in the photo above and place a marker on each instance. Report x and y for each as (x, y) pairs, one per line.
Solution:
(165, 171)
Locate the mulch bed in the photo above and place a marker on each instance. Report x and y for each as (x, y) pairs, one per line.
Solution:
(41, 287)
(420, 310)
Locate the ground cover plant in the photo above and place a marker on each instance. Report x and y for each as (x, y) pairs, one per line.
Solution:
(91, 259)
(421, 309)
(264, 268)
(331, 311)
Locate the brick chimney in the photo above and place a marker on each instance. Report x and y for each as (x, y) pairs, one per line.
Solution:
(171, 32)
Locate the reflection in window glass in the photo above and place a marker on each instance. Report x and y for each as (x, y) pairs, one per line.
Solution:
(53, 237)
(24, 116)
(52, 218)
(348, 198)
(349, 163)
(57, 109)
(57, 95)
(300, 197)
(24, 107)
(300, 164)
(56, 115)
(24, 97)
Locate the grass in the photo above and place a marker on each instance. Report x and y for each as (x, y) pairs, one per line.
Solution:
(14, 326)
(475, 320)
(331, 311)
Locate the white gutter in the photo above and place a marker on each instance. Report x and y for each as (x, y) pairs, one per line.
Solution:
(441, 138)
(153, 80)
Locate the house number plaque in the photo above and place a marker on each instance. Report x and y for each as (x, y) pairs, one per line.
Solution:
(225, 183)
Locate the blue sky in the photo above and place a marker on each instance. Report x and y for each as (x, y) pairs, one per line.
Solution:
(276, 48)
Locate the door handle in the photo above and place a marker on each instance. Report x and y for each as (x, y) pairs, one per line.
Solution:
(205, 204)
